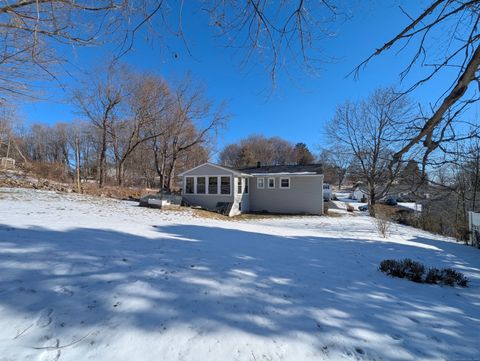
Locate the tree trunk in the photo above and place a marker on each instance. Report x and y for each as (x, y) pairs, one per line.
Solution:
(103, 156)
(171, 174)
(120, 173)
(77, 164)
(371, 201)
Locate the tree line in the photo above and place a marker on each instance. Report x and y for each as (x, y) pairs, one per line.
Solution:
(136, 128)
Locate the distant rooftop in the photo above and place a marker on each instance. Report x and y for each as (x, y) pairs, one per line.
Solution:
(284, 169)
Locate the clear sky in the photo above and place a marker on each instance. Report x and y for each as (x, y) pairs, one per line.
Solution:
(301, 103)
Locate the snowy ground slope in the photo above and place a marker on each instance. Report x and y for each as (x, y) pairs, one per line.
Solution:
(96, 279)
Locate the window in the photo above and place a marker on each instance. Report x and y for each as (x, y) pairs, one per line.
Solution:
(225, 185)
(212, 185)
(239, 185)
(285, 183)
(260, 183)
(246, 185)
(200, 185)
(189, 182)
(271, 182)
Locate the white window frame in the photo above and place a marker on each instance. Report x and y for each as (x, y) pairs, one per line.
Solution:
(185, 185)
(196, 185)
(219, 185)
(283, 178)
(263, 183)
(268, 182)
(208, 185)
(238, 183)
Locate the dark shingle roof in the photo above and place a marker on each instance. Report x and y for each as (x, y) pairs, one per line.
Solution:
(310, 168)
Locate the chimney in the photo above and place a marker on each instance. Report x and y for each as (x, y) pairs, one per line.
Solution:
(259, 164)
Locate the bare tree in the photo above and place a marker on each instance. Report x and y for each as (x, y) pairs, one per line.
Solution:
(339, 159)
(370, 129)
(148, 102)
(99, 101)
(455, 23)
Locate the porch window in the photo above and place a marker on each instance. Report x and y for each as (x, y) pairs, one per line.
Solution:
(200, 185)
(285, 183)
(225, 185)
(212, 185)
(271, 183)
(260, 183)
(189, 184)
(239, 185)
(246, 185)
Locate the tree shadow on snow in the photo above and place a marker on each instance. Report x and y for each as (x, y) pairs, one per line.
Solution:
(215, 279)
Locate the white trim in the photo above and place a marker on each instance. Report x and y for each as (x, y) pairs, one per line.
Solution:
(303, 174)
(263, 183)
(185, 184)
(219, 185)
(268, 183)
(280, 184)
(216, 166)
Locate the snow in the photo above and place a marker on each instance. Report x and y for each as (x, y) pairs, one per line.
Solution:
(85, 278)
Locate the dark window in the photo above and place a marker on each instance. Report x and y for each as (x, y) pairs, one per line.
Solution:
(212, 185)
(239, 185)
(285, 183)
(225, 185)
(189, 181)
(246, 185)
(271, 182)
(200, 185)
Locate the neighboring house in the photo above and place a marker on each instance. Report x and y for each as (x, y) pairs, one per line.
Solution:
(327, 192)
(359, 194)
(289, 189)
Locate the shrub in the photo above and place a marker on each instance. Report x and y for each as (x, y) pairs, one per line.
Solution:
(415, 271)
(406, 268)
(446, 276)
(350, 208)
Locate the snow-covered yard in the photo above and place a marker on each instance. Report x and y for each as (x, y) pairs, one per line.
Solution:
(96, 279)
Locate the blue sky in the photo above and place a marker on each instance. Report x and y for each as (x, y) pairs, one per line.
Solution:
(301, 103)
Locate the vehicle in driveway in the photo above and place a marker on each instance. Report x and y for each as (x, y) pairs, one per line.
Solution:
(363, 208)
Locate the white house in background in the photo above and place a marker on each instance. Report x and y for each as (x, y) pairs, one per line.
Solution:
(359, 194)
(286, 189)
(327, 192)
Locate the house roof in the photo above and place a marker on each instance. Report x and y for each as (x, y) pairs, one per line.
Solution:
(233, 170)
(308, 169)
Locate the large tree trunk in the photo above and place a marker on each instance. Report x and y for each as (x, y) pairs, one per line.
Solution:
(371, 200)
(171, 174)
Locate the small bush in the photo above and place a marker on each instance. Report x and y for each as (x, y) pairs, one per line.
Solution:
(403, 269)
(446, 276)
(415, 271)
(350, 208)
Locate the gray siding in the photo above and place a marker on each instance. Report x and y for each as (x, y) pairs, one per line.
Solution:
(304, 196)
(208, 201)
(208, 169)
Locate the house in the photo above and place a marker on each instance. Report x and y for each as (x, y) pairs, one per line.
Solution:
(327, 192)
(359, 194)
(286, 189)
